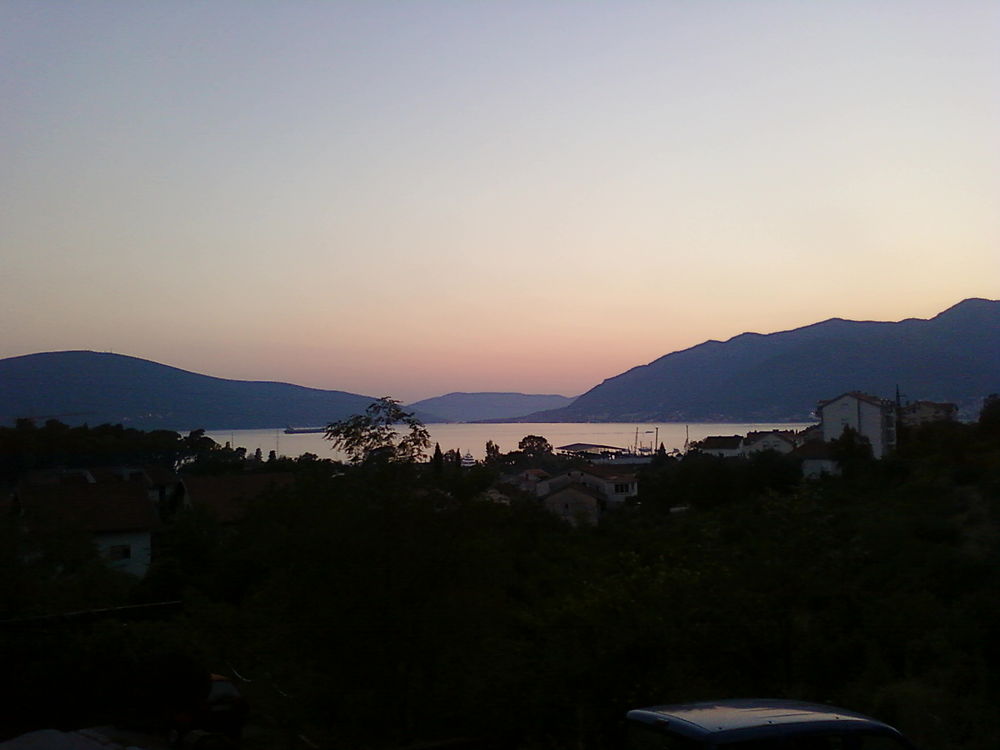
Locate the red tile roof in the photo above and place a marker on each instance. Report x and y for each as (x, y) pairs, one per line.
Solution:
(105, 507)
(606, 471)
(720, 442)
(228, 495)
(787, 435)
(575, 489)
(854, 394)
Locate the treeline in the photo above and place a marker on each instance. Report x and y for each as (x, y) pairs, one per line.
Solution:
(28, 447)
(388, 603)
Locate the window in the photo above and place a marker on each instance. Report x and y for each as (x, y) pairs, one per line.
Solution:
(621, 489)
(120, 552)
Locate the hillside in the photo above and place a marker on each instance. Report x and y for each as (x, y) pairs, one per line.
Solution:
(78, 387)
(954, 356)
(484, 407)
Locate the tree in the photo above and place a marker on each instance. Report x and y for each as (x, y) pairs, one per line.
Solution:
(492, 453)
(534, 446)
(989, 416)
(437, 461)
(852, 451)
(373, 436)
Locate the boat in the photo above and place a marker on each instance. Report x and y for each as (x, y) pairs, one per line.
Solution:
(303, 430)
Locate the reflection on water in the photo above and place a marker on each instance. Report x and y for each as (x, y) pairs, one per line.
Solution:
(472, 437)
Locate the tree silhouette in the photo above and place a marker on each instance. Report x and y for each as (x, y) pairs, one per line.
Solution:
(373, 436)
(534, 446)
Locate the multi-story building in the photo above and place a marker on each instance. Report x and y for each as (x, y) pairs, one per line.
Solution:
(871, 417)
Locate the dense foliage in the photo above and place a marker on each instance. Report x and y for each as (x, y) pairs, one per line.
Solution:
(387, 603)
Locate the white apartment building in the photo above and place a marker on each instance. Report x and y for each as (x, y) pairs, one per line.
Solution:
(871, 417)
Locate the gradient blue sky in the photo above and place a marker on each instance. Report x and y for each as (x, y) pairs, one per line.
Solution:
(411, 198)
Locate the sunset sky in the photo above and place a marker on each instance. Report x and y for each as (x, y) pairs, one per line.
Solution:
(412, 198)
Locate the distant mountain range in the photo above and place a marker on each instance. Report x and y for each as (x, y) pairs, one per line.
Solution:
(484, 407)
(81, 386)
(954, 356)
(77, 387)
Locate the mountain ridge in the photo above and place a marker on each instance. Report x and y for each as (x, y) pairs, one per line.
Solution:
(461, 406)
(779, 376)
(141, 393)
(774, 377)
(79, 385)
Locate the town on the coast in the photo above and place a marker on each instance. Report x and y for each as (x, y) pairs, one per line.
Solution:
(124, 506)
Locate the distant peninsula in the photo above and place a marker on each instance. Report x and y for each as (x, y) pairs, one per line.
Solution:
(485, 407)
(78, 387)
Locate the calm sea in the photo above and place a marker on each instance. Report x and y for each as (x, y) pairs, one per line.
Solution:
(472, 438)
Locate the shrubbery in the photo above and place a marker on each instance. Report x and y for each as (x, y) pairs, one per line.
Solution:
(379, 605)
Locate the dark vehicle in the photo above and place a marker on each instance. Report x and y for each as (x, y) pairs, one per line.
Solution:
(219, 709)
(758, 725)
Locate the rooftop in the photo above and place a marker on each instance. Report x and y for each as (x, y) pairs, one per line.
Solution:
(227, 496)
(105, 507)
(717, 442)
(608, 472)
(589, 448)
(867, 397)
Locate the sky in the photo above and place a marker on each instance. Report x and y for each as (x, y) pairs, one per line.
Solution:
(416, 197)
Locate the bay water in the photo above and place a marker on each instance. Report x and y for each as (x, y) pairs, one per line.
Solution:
(471, 438)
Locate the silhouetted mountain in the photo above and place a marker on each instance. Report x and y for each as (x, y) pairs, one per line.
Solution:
(79, 387)
(483, 407)
(954, 356)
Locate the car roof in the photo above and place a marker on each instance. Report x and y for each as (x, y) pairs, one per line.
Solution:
(732, 719)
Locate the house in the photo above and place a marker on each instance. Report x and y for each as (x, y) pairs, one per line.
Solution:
(871, 417)
(165, 490)
(724, 446)
(583, 494)
(817, 460)
(780, 441)
(610, 483)
(613, 484)
(113, 506)
(576, 504)
(922, 412)
(811, 434)
(529, 480)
